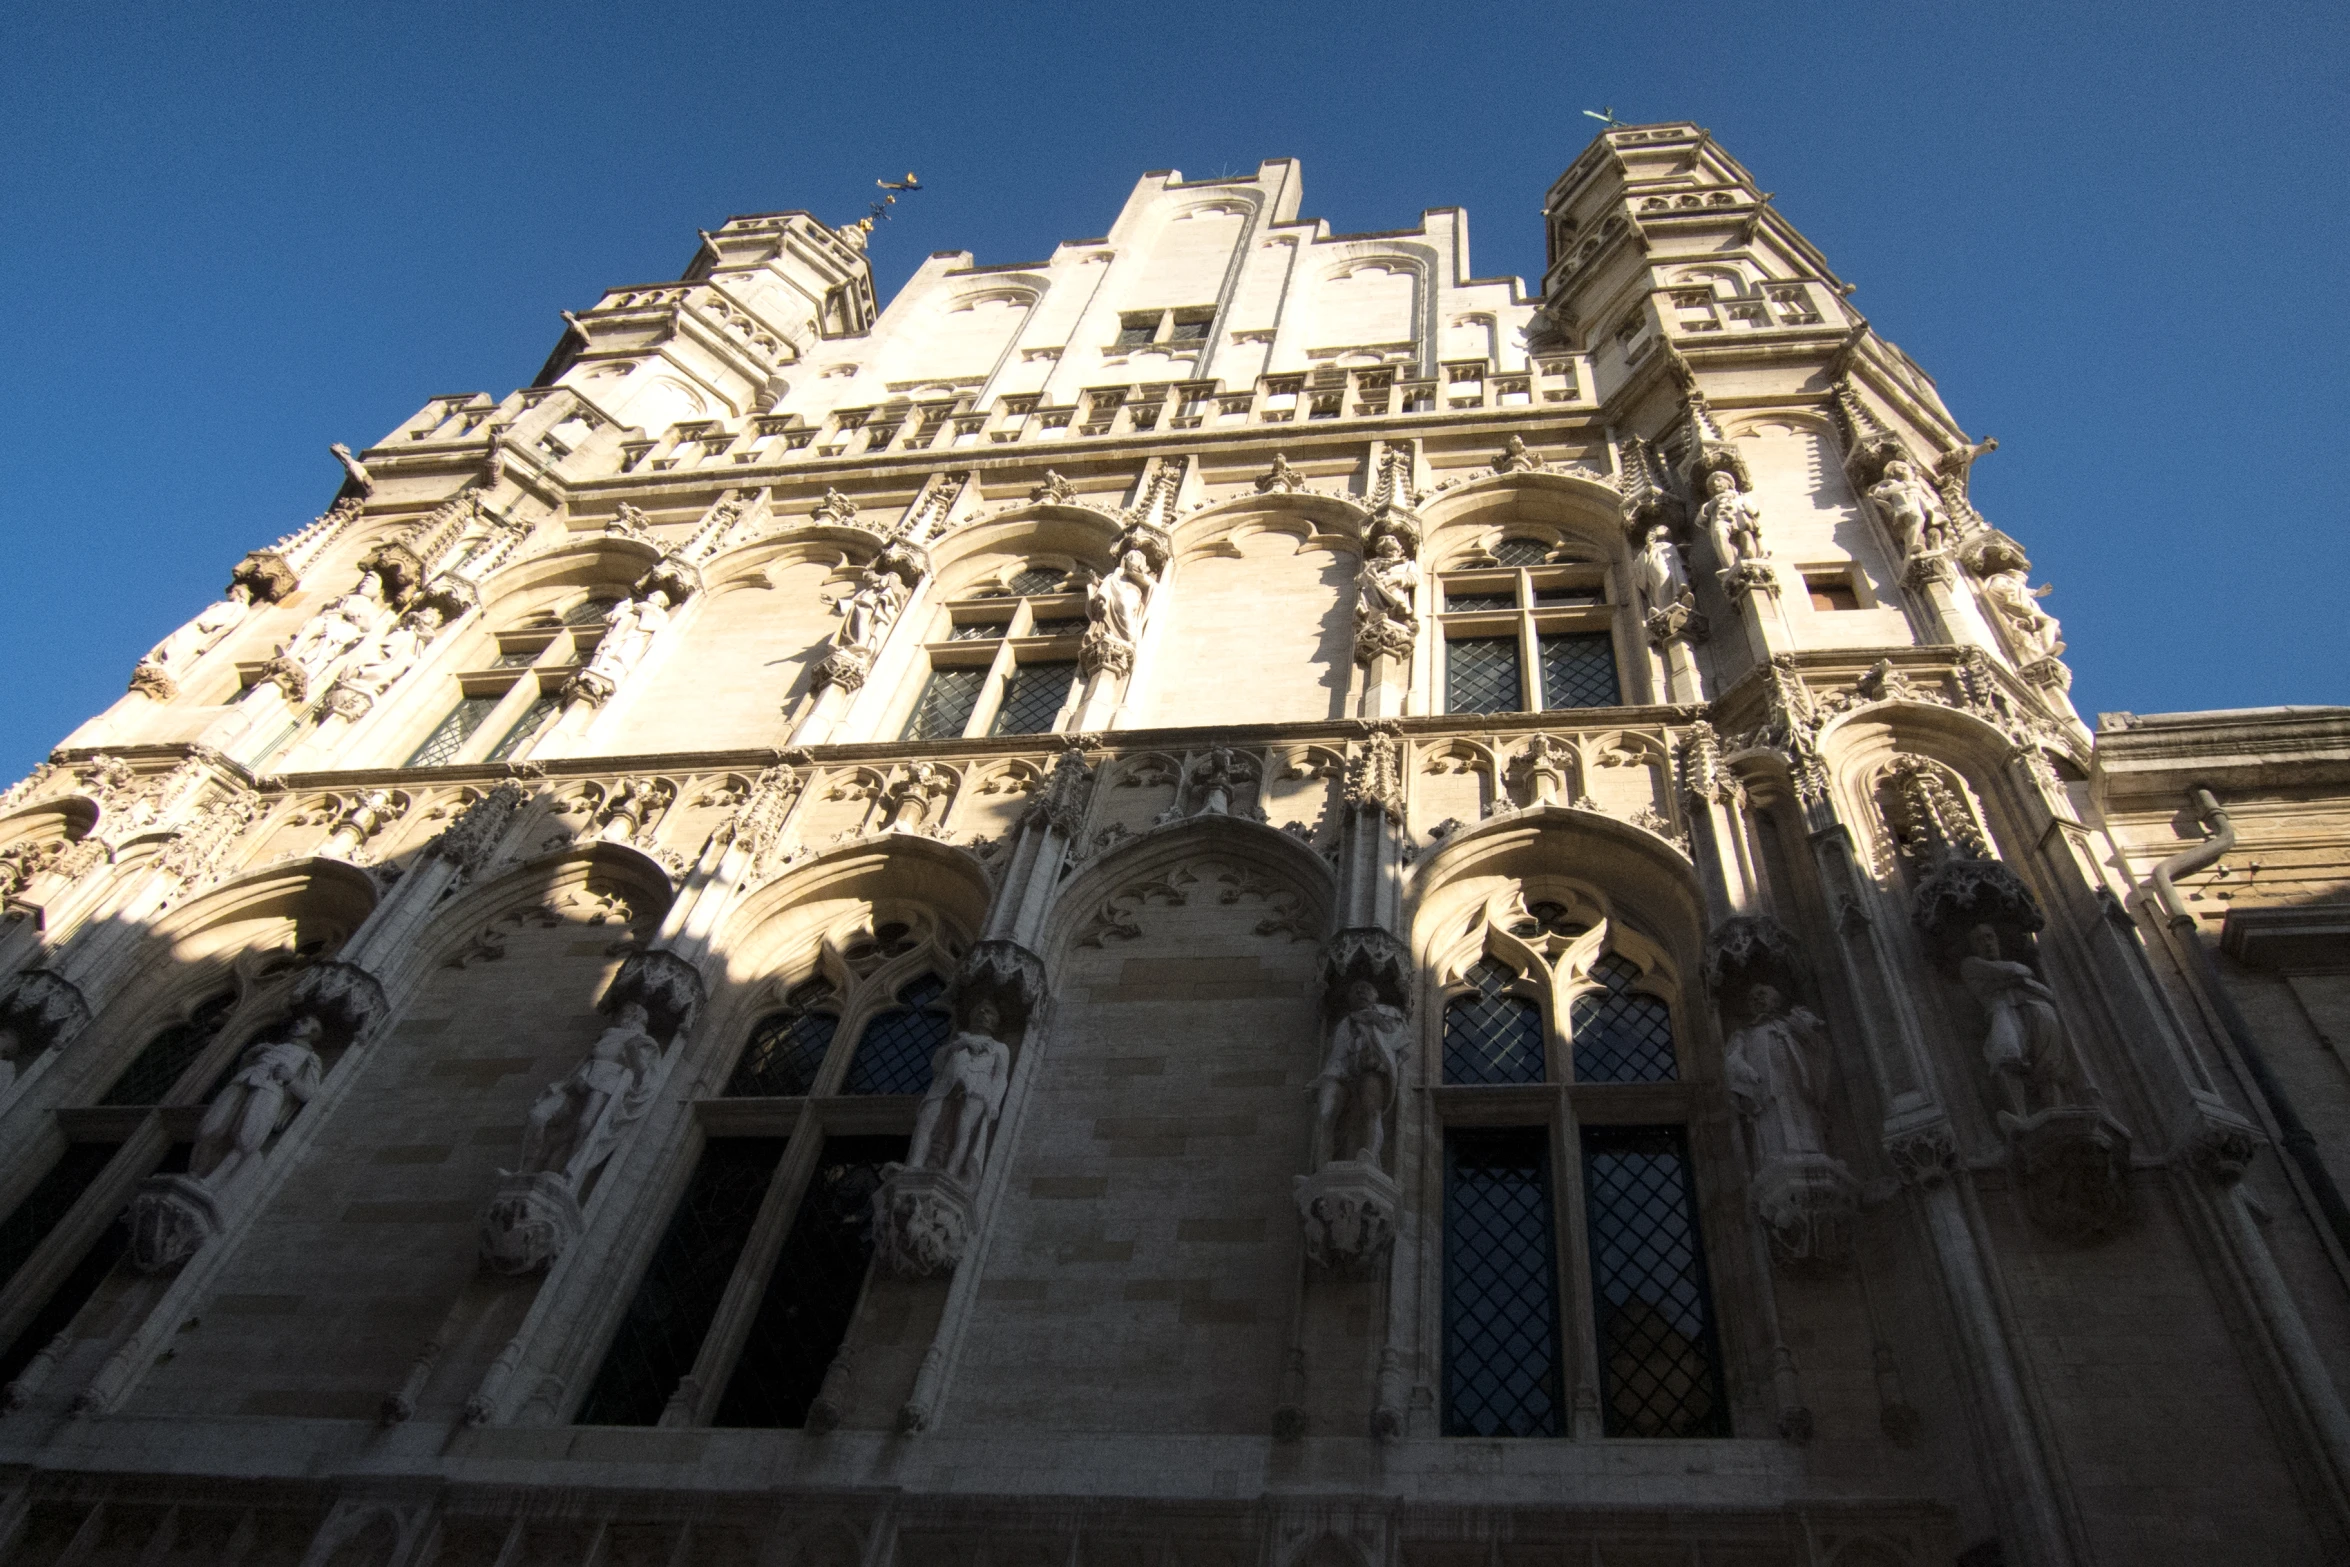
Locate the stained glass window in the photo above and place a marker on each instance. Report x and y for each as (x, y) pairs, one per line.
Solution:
(946, 703)
(787, 1047)
(1579, 670)
(813, 1291)
(1659, 1356)
(1621, 1035)
(163, 1058)
(1033, 694)
(450, 735)
(1501, 1335)
(678, 1296)
(893, 1054)
(1490, 1037)
(1481, 675)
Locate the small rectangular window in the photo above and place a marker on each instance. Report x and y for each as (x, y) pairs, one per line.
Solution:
(1136, 329)
(535, 717)
(1481, 676)
(1191, 326)
(678, 1297)
(1660, 1362)
(449, 736)
(946, 703)
(39, 1210)
(1579, 670)
(73, 1292)
(1033, 695)
(976, 630)
(1457, 600)
(1831, 593)
(1502, 1371)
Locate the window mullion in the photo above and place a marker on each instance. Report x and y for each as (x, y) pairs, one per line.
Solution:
(991, 695)
(1577, 1330)
(1529, 653)
(722, 1346)
(81, 1226)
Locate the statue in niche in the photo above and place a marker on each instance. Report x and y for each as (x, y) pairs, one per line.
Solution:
(1658, 572)
(1356, 1088)
(1386, 584)
(2026, 1049)
(168, 664)
(630, 631)
(337, 628)
(574, 1124)
(1912, 509)
(958, 1115)
(866, 615)
(394, 653)
(1777, 1073)
(273, 1078)
(1116, 603)
(2035, 630)
(1733, 519)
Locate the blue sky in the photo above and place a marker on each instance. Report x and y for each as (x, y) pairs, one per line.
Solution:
(2114, 234)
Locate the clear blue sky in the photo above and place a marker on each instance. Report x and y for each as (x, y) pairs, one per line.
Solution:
(2115, 235)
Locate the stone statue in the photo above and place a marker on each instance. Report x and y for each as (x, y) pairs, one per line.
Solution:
(394, 653)
(368, 815)
(1734, 520)
(2027, 1051)
(1912, 509)
(866, 615)
(573, 1125)
(1117, 602)
(958, 1115)
(1658, 572)
(2034, 629)
(1777, 1072)
(274, 1077)
(1385, 586)
(629, 632)
(337, 628)
(1359, 1077)
(172, 656)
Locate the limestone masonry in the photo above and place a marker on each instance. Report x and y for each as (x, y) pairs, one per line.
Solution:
(1232, 899)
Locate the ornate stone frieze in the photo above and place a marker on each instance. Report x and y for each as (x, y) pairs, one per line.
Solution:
(1374, 774)
(473, 838)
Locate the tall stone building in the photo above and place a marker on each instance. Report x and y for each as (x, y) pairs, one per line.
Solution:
(1232, 899)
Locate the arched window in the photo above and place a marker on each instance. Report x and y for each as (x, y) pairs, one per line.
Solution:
(787, 1047)
(1524, 633)
(1621, 1035)
(1491, 1036)
(168, 1054)
(1005, 662)
(893, 1054)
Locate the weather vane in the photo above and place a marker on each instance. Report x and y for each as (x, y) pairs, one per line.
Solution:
(1605, 115)
(878, 212)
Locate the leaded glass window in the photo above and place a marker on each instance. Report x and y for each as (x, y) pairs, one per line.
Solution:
(977, 630)
(1489, 1036)
(787, 1048)
(39, 1210)
(893, 1054)
(1481, 675)
(678, 1297)
(1579, 670)
(1659, 1356)
(946, 702)
(169, 1053)
(1621, 1035)
(1501, 1318)
(1459, 599)
(1037, 579)
(535, 717)
(449, 736)
(1033, 694)
(593, 612)
(1068, 626)
(1521, 552)
(811, 1295)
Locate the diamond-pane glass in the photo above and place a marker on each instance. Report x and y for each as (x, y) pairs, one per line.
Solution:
(786, 1050)
(1473, 598)
(977, 630)
(592, 612)
(1659, 1358)
(1621, 1035)
(672, 1308)
(1067, 627)
(37, 1212)
(893, 1054)
(450, 735)
(1032, 696)
(1521, 552)
(1490, 1037)
(946, 702)
(813, 1291)
(73, 1292)
(1579, 670)
(1038, 579)
(535, 717)
(1501, 1335)
(1481, 675)
(163, 1058)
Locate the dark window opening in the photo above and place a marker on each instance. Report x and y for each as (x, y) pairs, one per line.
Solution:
(1501, 1334)
(893, 1054)
(170, 1053)
(1038, 579)
(1659, 1356)
(449, 736)
(1033, 696)
(1621, 1035)
(39, 1210)
(1457, 600)
(1521, 552)
(1579, 670)
(946, 703)
(674, 1303)
(1831, 593)
(1136, 330)
(1490, 1037)
(1481, 675)
(787, 1048)
(535, 717)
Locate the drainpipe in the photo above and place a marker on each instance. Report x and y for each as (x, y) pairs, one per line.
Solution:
(2298, 1144)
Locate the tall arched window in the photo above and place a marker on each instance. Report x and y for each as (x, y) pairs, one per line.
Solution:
(1491, 1036)
(893, 1055)
(161, 1061)
(787, 1047)
(1621, 1035)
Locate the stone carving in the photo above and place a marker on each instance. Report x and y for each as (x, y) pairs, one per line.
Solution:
(40, 1010)
(327, 636)
(1928, 817)
(571, 1132)
(1669, 609)
(2026, 1050)
(866, 616)
(2011, 596)
(1777, 1069)
(173, 1215)
(372, 672)
(628, 636)
(630, 522)
(470, 840)
(1374, 775)
(923, 1211)
(359, 480)
(633, 804)
(1515, 458)
(364, 817)
(912, 793)
(1541, 771)
(1060, 804)
(1215, 778)
(1385, 620)
(1355, 1093)
(835, 508)
(665, 985)
(1733, 520)
(1055, 489)
(1281, 478)
(1115, 606)
(1348, 1213)
(1912, 510)
(160, 672)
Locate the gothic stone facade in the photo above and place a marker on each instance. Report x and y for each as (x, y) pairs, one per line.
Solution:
(1230, 898)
